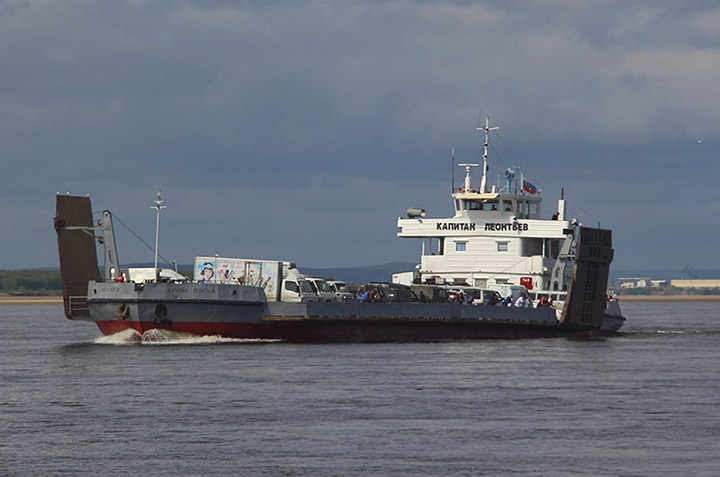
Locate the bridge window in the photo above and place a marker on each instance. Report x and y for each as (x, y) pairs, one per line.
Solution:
(490, 205)
(522, 209)
(534, 210)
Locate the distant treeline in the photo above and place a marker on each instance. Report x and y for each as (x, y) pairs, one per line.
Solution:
(30, 282)
(40, 282)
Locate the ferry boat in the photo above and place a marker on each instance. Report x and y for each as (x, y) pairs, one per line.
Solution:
(496, 238)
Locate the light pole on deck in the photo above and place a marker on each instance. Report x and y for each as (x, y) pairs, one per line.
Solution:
(158, 207)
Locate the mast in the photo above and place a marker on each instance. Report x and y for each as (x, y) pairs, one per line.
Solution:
(158, 207)
(487, 130)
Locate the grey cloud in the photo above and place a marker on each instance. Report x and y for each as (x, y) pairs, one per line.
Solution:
(241, 108)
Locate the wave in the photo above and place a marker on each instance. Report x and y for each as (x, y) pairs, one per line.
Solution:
(168, 337)
(668, 332)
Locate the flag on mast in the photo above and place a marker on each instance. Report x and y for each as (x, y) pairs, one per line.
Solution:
(528, 187)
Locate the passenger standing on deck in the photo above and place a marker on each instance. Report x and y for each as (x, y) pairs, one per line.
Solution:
(494, 299)
(520, 302)
(423, 298)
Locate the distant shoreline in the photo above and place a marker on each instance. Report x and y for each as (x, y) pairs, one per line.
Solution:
(623, 298)
(30, 300)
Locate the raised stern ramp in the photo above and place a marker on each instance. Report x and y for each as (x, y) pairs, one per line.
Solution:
(586, 299)
(78, 255)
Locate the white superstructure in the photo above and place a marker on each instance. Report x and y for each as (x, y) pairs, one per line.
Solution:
(496, 236)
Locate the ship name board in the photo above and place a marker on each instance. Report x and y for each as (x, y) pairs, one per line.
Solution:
(455, 226)
(492, 227)
(507, 227)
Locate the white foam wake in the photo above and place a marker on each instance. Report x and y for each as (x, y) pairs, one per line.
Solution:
(169, 337)
(123, 337)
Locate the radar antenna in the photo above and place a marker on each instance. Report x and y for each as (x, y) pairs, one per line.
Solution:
(467, 187)
(487, 129)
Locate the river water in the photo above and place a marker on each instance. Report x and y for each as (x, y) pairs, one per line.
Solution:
(644, 402)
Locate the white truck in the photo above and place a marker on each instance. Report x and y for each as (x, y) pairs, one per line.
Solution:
(281, 280)
(321, 288)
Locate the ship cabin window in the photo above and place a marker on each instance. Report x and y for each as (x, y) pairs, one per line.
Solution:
(502, 246)
(457, 205)
(473, 205)
(433, 246)
(521, 209)
(533, 246)
(526, 209)
(534, 210)
(490, 205)
(507, 206)
(460, 246)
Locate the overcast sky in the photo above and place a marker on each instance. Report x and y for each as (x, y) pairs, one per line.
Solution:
(301, 130)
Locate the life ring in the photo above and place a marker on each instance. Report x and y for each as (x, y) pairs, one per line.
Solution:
(161, 311)
(123, 311)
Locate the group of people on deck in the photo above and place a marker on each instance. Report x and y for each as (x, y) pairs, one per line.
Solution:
(524, 301)
(367, 295)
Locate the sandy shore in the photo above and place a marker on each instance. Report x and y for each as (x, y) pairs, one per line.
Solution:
(30, 300)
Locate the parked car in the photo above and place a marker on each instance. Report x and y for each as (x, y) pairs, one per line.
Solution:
(341, 292)
(432, 293)
(394, 292)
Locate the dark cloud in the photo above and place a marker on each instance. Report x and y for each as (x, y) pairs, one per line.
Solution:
(303, 129)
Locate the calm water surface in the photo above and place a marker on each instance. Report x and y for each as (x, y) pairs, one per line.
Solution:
(645, 402)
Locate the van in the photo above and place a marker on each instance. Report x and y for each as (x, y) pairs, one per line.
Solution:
(509, 290)
(467, 295)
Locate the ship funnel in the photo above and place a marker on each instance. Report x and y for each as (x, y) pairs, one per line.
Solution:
(414, 213)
